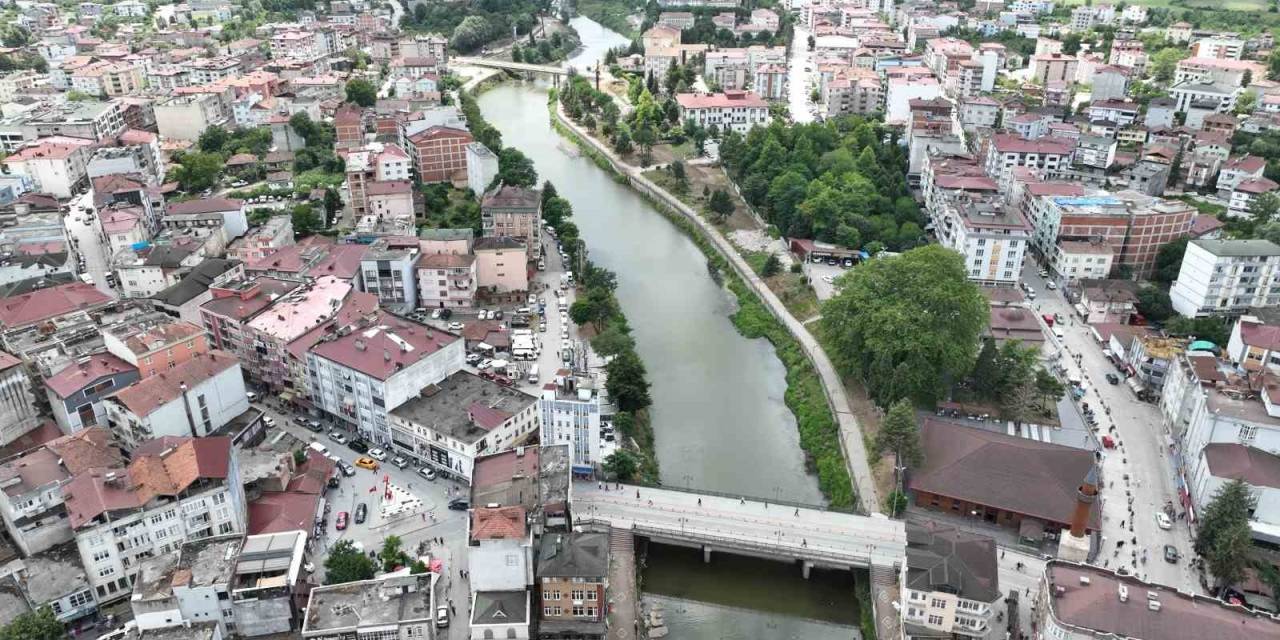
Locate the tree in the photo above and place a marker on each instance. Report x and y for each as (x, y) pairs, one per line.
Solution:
(626, 383)
(420, 12)
(720, 204)
(622, 464)
(682, 180)
(772, 265)
(1169, 260)
(392, 554)
(1164, 61)
(470, 33)
(1229, 556)
(516, 169)
(1246, 102)
(1154, 303)
(305, 220)
(985, 378)
(198, 171)
(1231, 505)
(1263, 207)
(899, 434)
(907, 324)
(34, 625)
(346, 564)
(213, 139)
(1209, 328)
(361, 92)
(1049, 388)
(622, 139)
(1071, 44)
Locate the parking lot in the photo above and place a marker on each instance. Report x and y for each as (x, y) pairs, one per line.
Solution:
(822, 276)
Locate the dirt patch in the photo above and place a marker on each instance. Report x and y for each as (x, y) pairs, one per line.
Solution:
(869, 418)
(757, 240)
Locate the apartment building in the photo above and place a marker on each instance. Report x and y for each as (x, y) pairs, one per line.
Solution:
(1255, 341)
(374, 162)
(514, 212)
(157, 346)
(76, 392)
(186, 117)
(1082, 260)
(447, 280)
(195, 398)
(191, 584)
(392, 606)
(464, 416)
(963, 71)
(57, 165)
(571, 406)
(482, 167)
(572, 585)
(388, 271)
(1008, 151)
(1133, 224)
(853, 91)
(18, 411)
(1053, 68)
(440, 154)
(1221, 47)
(263, 239)
(31, 487)
(1226, 277)
(992, 237)
(950, 582)
(360, 373)
(737, 110)
(174, 489)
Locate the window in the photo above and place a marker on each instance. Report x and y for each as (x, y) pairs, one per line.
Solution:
(99, 556)
(1247, 433)
(938, 603)
(81, 599)
(591, 596)
(935, 620)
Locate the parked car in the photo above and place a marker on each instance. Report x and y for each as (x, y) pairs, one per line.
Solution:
(362, 512)
(338, 437)
(269, 421)
(341, 522)
(347, 469)
(1163, 521)
(474, 358)
(358, 446)
(435, 313)
(400, 462)
(427, 473)
(483, 315)
(378, 454)
(1051, 285)
(315, 426)
(496, 315)
(442, 617)
(1170, 553)
(484, 364)
(455, 326)
(367, 463)
(1113, 378)
(459, 504)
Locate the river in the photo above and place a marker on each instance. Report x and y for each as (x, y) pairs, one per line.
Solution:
(719, 419)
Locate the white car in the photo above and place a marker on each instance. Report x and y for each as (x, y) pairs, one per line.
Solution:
(1051, 285)
(400, 463)
(484, 315)
(377, 454)
(484, 364)
(455, 326)
(1163, 521)
(829, 279)
(435, 313)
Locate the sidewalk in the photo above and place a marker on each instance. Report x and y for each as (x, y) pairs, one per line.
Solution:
(850, 432)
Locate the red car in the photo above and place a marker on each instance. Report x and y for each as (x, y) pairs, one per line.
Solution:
(341, 522)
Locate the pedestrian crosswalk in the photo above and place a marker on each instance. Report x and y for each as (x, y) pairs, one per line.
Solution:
(1037, 432)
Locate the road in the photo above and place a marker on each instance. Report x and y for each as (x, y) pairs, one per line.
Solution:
(397, 14)
(86, 229)
(801, 529)
(798, 79)
(429, 518)
(1139, 466)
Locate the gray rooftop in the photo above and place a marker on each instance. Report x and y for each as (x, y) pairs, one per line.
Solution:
(943, 558)
(464, 406)
(500, 607)
(154, 578)
(12, 602)
(197, 631)
(554, 476)
(196, 282)
(446, 234)
(54, 574)
(369, 603)
(574, 555)
(1238, 248)
(268, 559)
(210, 561)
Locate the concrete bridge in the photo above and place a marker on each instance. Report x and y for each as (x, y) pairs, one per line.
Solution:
(508, 65)
(754, 527)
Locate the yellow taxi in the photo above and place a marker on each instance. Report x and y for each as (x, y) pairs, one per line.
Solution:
(367, 463)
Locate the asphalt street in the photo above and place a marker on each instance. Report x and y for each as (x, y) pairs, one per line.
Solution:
(1138, 475)
(799, 78)
(86, 229)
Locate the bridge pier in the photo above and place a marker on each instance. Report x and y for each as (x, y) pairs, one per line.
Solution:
(805, 568)
(706, 554)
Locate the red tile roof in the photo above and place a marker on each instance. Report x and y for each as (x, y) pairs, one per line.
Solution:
(1257, 185)
(204, 205)
(161, 467)
(501, 523)
(728, 99)
(82, 374)
(386, 347)
(148, 394)
(388, 187)
(44, 304)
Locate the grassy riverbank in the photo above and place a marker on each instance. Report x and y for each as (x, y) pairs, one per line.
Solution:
(819, 433)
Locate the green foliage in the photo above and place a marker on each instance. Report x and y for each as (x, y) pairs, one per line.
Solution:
(626, 383)
(305, 220)
(299, 456)
(772, 265)
(1212, 329)
(720, 204)
(345, 564)
(361, 92)
(906, 324)
(622, 464)
(1154, 303)
(516, 169)
(480, 128)
(197, 171)
(1218, 535)
(392, 554)
(33, 625)
(840, 181)
(418, 566)
(1163, 62)
(1013, 42)
(1169, 260)
(472, 32)
(899, 434)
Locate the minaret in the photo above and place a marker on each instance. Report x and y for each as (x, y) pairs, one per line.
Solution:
(1074, 546)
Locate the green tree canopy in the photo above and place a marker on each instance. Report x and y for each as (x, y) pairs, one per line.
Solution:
(516, 169)
(33, 625)
(900, 435)
(622, 464)
(626, 382)
(392, 553)
(361, 92)
(346, 564)
(1154, 303)
(907, 324)
(1169, 260)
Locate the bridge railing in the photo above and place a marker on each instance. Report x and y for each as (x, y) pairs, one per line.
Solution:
(747, 496)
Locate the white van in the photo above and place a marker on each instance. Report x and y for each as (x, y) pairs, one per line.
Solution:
(320, 449)
(562, 303)
(1057, 331)
(533, 374)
